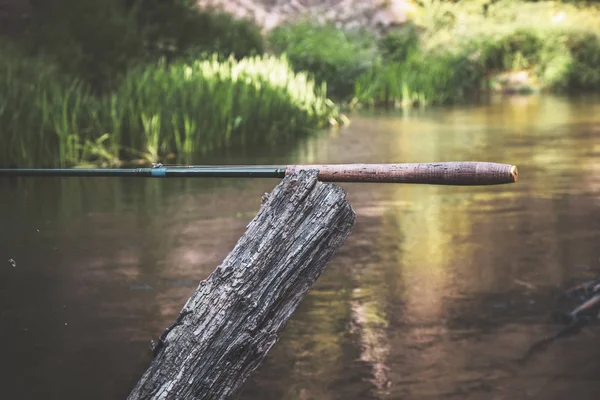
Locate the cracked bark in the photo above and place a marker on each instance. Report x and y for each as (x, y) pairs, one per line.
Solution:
(235, 317)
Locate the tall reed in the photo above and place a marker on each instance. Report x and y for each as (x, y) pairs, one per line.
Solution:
(48, 119)
(204, 105)
(43, 115)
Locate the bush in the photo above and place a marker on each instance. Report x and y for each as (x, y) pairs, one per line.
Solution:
(329, 54)
(398, 45)
(460, 46)
(518, 49)
(422, 78)
(177, 29)
(100, 40)
(584, 72)
(95, 40)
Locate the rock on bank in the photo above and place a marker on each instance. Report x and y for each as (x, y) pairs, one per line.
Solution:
(376, 15)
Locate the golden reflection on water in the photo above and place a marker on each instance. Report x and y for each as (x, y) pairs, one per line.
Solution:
(440, 230)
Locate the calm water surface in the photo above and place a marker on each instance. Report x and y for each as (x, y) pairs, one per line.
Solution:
(434, 296)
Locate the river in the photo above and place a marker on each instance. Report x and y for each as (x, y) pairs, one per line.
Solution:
(434, 295)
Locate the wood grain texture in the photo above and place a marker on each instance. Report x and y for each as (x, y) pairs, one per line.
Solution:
(235, 317)
(463, 173)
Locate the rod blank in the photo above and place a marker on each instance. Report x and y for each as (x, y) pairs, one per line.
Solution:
(159, 172)
(462, 173)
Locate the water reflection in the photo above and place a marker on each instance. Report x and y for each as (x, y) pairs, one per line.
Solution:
(435, 295)
(459, 281)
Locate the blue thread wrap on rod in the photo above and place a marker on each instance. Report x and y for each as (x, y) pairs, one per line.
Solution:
(159, 172)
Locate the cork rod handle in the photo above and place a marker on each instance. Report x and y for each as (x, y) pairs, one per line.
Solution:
(462, 173)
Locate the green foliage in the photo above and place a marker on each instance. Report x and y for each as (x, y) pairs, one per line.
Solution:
(398, 45)
(100, 40)
(518, 49)
(584, 71)
(177, 29)
(42, 113)
(95, 40)
(462, 45)
(48, 119)
(205, 105)
(420, 79)
(329, 54)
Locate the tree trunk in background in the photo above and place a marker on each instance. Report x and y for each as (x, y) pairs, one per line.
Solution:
(235, 317)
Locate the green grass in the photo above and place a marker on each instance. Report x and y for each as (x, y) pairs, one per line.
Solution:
(48, 119)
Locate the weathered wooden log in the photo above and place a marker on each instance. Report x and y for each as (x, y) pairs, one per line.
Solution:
(236, 315)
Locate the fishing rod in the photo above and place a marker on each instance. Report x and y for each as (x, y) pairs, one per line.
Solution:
(462, 173)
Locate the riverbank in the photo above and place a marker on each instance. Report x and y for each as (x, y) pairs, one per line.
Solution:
(196, 82)
(452, 52)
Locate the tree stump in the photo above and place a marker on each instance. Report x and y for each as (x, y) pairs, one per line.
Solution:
(234, 317)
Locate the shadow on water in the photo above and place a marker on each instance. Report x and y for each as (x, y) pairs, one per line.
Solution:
(436, 294)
